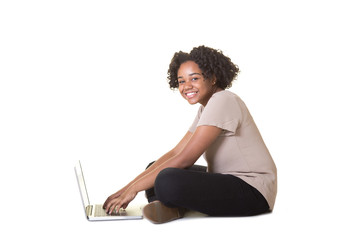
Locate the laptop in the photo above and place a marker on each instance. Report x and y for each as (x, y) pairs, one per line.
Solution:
(96, 212)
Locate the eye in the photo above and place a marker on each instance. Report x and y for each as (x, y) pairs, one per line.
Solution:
(181, 81)
(194, 79)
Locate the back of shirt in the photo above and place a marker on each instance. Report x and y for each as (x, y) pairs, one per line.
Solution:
(240, 149)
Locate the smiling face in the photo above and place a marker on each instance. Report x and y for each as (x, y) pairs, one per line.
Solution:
(192, 84)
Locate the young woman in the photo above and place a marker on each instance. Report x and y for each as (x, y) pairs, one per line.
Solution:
(241, 177)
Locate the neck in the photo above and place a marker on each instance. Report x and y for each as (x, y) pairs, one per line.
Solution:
(216, 89)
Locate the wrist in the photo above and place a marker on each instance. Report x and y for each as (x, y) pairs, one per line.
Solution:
(133, 188)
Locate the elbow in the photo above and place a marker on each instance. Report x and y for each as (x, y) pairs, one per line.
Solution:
(184, 162)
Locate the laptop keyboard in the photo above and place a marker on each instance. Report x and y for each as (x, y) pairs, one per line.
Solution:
(100, 212)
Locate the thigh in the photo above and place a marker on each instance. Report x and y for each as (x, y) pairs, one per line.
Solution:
(210, 193)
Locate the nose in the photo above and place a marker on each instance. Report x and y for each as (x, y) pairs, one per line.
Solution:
(188, 85)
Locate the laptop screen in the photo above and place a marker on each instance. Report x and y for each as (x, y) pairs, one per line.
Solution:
(82, 186)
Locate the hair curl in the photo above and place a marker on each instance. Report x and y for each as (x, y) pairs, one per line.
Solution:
(212, 62)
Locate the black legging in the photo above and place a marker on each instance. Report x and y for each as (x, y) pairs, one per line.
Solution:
(214, 194)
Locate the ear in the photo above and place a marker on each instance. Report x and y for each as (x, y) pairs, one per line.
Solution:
(213, 80)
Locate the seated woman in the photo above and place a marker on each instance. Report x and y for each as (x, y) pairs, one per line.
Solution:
(240, 178)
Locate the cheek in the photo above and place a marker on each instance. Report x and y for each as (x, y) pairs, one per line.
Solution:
(181, 91)
(202, 87)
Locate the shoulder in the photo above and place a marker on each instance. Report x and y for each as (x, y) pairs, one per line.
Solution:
(225, 94)
(225, 98)
(223, 103)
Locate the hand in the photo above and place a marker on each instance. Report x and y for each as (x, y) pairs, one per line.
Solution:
(120, 199)
(113, 196)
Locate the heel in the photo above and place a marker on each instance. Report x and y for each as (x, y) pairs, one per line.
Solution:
(156, 212)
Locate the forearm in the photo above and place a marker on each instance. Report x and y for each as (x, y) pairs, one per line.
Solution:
(146, 180)
(152, 171)
(185, 157)
(154, 166)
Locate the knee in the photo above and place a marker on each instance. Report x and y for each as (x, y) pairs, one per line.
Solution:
(167, 179)
(168, 186)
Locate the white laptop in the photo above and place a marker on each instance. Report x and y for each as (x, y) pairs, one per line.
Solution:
(96, 212)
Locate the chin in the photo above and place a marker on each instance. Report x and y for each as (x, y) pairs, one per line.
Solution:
(191, 102)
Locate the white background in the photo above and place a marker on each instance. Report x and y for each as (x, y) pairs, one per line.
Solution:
(86, 80)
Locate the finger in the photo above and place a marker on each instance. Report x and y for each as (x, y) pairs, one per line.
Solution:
(108, 207)
(108, 200)
(111, 209)
(119, 206)
(116, 209)
(105, 203)
(124, 206)
(113, 206)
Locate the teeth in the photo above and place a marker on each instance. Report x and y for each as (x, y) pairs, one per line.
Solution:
(190, 94)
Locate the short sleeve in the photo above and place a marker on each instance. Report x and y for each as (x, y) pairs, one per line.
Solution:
(222, 111)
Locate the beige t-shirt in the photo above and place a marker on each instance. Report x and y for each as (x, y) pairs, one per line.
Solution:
(240, 149)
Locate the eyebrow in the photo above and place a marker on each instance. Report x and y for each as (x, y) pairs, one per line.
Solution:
(191, 74)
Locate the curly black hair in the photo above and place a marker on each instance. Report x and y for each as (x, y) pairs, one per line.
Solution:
(212, 62)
